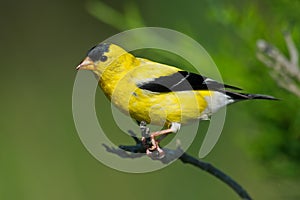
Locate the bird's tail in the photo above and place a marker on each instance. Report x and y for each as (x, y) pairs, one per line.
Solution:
(237, 96)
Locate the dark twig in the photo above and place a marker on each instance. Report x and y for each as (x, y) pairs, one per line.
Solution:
(185, 158)
(140, 148)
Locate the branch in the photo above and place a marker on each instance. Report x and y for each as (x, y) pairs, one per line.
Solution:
(139, 149)
(285, 72)
(292, 50)
(185, 158)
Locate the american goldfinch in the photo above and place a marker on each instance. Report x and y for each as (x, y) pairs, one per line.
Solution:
(151, 92)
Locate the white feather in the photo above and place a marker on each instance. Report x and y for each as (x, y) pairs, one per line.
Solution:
(214, 103)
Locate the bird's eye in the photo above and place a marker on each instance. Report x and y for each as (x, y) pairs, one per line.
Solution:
(103, 58)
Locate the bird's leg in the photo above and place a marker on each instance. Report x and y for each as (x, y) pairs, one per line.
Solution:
(149, 140)
(155, 142)
(145, 133)
(163, 133)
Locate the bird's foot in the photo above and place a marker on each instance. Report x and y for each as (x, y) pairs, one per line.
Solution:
(159, 153)
(155, 147)
(151, 140)
(151, 144)
(152, 150)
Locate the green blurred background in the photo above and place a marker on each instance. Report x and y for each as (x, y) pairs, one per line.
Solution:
(41, 156)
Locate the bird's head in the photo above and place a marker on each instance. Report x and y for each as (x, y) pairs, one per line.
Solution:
(101, 56)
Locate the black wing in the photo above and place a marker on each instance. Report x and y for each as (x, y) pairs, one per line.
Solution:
(183, 81)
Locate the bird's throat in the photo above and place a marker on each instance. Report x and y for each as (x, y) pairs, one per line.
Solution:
(110, 77)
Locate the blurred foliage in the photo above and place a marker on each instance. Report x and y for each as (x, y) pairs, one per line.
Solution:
(41, 155)
(279, 147)
(131, 18)
(278, 143)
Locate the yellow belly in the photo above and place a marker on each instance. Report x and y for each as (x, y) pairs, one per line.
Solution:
(143, 105)
(159, 108)
(164, 108)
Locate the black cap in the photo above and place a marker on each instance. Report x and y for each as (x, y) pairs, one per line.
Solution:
(97, 52)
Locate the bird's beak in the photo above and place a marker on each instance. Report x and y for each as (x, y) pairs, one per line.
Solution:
(86, 64)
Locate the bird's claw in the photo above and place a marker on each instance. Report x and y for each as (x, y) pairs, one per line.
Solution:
(154, 150)
(157, 153)
(150, 143)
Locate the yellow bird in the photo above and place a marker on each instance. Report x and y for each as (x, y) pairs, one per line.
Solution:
(157, 93)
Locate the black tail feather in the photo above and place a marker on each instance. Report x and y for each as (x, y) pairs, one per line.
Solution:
(243, 96)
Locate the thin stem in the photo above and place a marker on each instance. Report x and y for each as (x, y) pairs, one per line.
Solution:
(140, 148)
